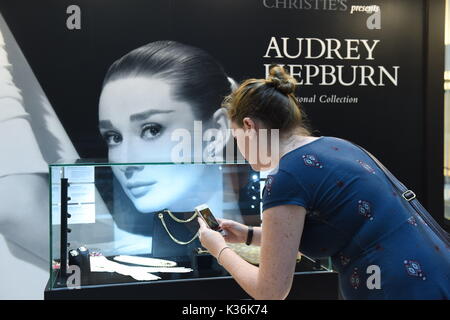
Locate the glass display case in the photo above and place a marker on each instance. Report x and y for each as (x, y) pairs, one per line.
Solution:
(135, 223)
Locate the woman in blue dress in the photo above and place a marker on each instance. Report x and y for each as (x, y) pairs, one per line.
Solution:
(324, 197)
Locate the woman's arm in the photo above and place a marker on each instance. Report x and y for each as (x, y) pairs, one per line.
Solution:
(256, 239)
(238, 232)
(280, 239)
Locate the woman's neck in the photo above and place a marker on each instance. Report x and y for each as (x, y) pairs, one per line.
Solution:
(292, 142)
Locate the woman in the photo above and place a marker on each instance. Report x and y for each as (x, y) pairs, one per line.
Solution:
(149, 95)
(325, 197)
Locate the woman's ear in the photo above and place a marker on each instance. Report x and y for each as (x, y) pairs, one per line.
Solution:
(221, 133)
(249, 124)
(222, 121)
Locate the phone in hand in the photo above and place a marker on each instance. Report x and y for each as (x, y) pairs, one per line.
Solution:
(206, 214)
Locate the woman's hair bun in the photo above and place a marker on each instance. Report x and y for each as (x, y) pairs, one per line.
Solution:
(281, 80)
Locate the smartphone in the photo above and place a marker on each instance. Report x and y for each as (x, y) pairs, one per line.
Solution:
(206, 214)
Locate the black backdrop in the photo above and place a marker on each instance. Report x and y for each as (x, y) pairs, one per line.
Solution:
(389, 121)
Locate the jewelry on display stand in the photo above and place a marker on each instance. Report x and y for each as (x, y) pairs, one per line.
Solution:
(81, 257)
(144, 261)
(161, 217)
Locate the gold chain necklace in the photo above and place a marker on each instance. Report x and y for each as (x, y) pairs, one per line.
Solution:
(180, 220)
(161, 217)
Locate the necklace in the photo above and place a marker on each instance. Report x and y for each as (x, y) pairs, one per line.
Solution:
(161, 217)
(292, 143)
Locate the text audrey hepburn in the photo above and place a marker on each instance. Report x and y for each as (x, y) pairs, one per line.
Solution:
(331, 49)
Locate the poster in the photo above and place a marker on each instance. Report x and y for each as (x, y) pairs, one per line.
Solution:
(356, 62)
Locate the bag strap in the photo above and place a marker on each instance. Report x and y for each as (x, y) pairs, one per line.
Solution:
(410, 197)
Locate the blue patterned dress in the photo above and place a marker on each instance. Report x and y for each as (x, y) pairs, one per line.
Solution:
(380, 248)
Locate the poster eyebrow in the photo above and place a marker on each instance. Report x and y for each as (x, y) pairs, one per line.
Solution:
(105, 124)
(144, 115)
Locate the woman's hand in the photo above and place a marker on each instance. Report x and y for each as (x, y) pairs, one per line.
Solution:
(235, 232)
(212, 240)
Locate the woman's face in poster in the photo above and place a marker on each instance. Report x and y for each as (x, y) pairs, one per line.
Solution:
(137, 116)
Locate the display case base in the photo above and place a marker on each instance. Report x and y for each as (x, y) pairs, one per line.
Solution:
(306, 285)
